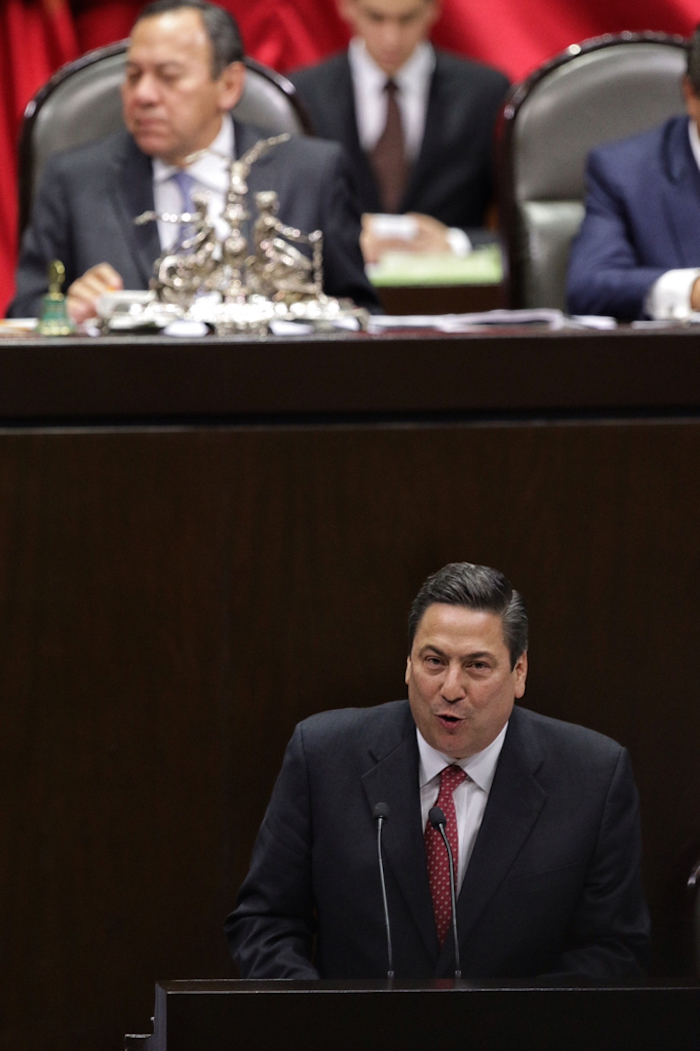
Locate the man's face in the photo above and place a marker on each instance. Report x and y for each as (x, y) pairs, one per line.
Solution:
(460, 684)
(172, 104)
(391, 29)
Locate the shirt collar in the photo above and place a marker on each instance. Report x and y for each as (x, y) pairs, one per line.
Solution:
(481, 766)
(205, 168)
(412, 77)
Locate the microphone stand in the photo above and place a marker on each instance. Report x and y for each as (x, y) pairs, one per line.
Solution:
(380, 814)
(438, 821)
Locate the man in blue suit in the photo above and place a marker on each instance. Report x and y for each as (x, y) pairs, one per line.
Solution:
(637, 254)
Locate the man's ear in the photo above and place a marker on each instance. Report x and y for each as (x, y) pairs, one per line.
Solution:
(346, 10)
(231, 85)
(520, 675)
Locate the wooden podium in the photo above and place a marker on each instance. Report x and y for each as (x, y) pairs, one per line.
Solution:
(420, 1016)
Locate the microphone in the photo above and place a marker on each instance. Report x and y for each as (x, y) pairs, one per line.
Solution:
(380, 813)
(439, 821)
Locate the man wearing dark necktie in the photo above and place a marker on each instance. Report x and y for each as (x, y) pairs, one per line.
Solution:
(542, 815)
(439, 873)
(388, 156)
(392, 81)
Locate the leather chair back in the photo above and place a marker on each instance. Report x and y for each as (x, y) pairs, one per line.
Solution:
(595, 92)
(82, 103)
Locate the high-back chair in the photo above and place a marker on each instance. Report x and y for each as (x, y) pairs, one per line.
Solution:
(595, 92)
(82, 103)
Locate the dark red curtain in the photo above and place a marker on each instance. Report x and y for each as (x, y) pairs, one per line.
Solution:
(517, 35)
(37, 36)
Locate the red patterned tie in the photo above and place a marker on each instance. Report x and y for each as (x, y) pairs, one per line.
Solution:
(438, 864)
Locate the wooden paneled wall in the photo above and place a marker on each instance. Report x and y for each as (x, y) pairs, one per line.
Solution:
(173, 601)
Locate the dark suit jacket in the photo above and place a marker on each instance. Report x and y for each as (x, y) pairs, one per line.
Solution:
(642, 219)
(88, 198)
(552, 887)
(452, 177)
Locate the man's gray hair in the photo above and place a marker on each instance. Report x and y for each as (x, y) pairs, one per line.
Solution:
(220, 25)
(474, 587)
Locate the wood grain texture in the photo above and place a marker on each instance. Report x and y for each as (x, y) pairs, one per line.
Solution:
(173, 601)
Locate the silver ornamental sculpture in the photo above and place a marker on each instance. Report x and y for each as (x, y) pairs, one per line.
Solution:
(272, 278)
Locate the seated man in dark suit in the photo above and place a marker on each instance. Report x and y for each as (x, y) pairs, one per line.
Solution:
(542, 817)
(637, 254)
(416, 123)
(184, 73)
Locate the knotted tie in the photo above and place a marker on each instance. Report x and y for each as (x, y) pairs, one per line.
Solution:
(185, 184)
(388, 157)
(438, 864)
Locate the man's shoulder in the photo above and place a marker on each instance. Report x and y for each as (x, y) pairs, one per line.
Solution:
(312, 149)
(300, 148)
(96, 154)
(449, 67)
(321, 73)
(565, 738)
(642, 147)
(369, 723)
(461, 69)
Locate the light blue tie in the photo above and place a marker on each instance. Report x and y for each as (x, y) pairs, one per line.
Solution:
(185, 184)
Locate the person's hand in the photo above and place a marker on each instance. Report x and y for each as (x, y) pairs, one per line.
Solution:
(428, 235)
(85, 291)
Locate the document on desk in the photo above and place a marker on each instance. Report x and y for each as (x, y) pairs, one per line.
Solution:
(550, 318)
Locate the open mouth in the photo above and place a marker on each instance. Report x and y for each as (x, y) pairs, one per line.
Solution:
(450, 720)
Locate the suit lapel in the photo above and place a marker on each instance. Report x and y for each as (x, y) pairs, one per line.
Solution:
(244, 138)
(133, 194)
(394, 780)
(514, 804)
(348, 135)
(431, 146)
(344, 94)
(680, 193)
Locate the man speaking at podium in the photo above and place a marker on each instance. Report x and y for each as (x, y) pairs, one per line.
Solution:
(541, 816)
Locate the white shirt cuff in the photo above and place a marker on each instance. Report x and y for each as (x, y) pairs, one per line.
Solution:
(459, 241)
(669, 296)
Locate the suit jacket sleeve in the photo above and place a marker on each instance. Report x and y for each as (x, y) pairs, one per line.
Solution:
(271, 930)
(606, 274)
(83, 212)
(344, 272)
(46, 239)
(608, 936)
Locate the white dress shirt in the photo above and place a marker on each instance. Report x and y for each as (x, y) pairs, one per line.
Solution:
(413, 81)
(470, 797)
(669, 296)
(210, 172)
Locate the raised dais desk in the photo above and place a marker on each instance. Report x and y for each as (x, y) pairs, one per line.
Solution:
(407, 374)
(203, 542)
